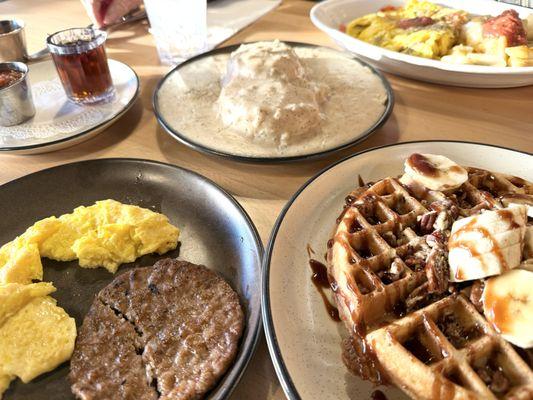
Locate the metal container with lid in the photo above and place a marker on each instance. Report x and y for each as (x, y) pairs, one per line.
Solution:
(16, 102)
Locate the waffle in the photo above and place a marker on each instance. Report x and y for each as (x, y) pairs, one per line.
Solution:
(427, 336)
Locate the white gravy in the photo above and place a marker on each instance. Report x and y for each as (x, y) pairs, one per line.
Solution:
(356, 100)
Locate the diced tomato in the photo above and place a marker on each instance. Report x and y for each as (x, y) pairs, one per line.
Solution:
(342, 28)
(388, 8)
(506, 24)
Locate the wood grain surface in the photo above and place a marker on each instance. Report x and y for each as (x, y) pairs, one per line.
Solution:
(422, 111)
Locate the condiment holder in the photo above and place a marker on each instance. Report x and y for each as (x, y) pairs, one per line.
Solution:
(16, 102)
(79, 57)
(13, 43)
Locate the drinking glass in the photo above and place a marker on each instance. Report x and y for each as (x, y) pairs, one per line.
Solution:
(179, 28)
(81, 61)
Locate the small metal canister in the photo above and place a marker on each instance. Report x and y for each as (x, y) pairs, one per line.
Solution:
(16, 102)
(12, 41)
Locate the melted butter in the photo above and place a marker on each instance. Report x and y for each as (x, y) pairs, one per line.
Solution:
(356, 101)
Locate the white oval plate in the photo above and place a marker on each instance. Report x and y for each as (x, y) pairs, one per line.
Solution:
(58, 122)
(330, 14)
(303, 340)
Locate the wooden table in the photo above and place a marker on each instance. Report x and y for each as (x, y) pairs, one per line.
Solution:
(423, 111)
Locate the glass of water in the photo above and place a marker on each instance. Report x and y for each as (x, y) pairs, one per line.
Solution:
(179, 28)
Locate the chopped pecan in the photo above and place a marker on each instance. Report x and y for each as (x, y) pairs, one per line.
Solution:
(461, 199)
(416, 297)
(426, 222)
(420, 297)
(437, 271)
(415, 263)
(447, 213)
(500, 383)
(476, 293)
(494, 377)
(392, 274)
(436, 239)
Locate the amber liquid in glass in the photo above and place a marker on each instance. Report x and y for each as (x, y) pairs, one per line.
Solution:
(85, 76)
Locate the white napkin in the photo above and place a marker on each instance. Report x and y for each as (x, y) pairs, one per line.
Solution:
(227, 17)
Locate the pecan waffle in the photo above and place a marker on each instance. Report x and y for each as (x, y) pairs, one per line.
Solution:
(388, 267)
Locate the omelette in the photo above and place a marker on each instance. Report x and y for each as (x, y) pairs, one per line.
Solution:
(36, 335)
(419, 28)
(425, 29)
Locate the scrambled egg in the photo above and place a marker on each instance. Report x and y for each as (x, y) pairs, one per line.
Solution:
(105, 234)
(5, 380)
(15, 296)
(20, 262)
(35, 340)
(384, 29)
(35, 334)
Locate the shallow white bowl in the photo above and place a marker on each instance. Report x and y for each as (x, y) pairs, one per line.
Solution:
(330, 14)
(304, 342)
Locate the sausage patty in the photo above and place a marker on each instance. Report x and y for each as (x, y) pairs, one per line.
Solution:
(164, 332)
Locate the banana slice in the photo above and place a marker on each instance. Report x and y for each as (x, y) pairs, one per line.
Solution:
(519, 198)
(508, 306)
(472, 32)
(527, 200)
(487, 244)
(435, 172)
(528, 242)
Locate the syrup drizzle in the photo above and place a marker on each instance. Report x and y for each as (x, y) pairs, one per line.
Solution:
(321, 281)
(422, 165)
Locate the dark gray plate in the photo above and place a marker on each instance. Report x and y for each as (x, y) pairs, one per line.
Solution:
(215, 231)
